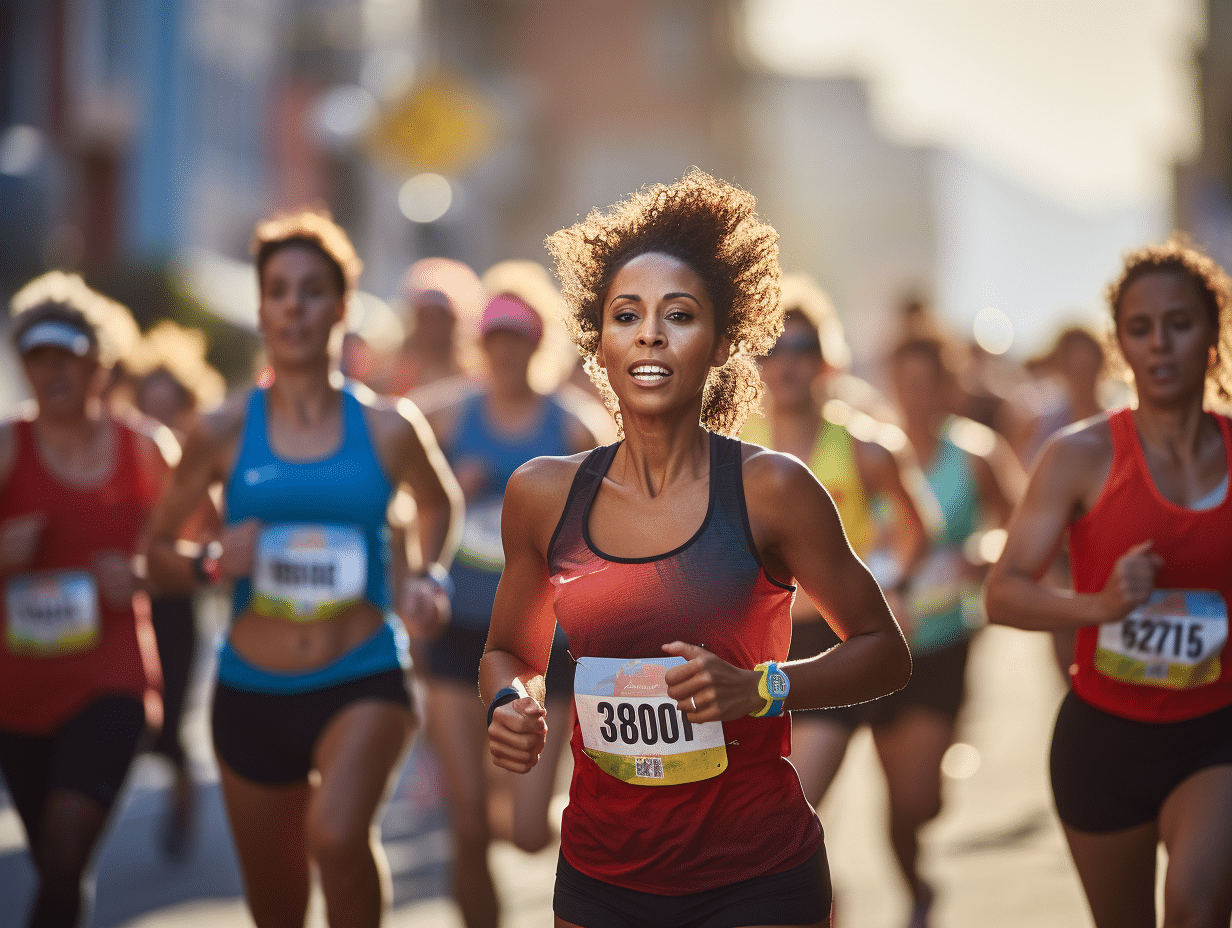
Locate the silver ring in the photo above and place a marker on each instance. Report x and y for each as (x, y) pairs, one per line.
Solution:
(693, 699)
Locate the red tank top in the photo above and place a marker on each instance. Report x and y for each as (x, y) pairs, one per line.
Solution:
(752, 818)
(52, 660)
(1164, 663)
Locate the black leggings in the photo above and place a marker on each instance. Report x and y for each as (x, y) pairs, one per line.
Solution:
(89, 754)
(175, 629)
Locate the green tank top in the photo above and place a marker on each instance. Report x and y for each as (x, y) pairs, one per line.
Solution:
(833, 463)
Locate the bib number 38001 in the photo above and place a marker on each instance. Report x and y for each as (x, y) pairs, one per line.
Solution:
(1174, 641)
(632, 729)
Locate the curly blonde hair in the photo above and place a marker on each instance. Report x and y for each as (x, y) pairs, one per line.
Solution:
(1178, 256)
(316, 229)
(712, 227)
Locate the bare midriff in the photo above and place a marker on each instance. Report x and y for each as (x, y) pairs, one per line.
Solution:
(285, 646)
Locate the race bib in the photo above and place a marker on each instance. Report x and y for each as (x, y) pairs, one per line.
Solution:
(936, 588)
(1174, 641)
(307, 572)
(480, 546)
(634, 732)
(52, 614)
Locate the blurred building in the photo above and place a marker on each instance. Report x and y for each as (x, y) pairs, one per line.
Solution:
(136, 132)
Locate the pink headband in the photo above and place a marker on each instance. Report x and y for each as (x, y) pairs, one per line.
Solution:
(506, 311)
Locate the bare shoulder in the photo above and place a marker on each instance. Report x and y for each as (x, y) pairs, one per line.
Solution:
(536, 495)
(1085, 444)
(775, 482)
(1073, 465)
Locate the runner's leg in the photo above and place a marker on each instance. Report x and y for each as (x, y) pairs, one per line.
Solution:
(1194, 824)
(456, 728)
(72, 825)
(268, 824)
(911, 748)
(1117, 870)
(355, 755)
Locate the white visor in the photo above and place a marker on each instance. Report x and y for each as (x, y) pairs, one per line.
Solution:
(60, 334)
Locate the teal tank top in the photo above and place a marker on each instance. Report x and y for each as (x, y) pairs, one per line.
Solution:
(935, 599)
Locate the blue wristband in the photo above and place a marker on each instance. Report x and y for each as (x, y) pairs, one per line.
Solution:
(506, 695)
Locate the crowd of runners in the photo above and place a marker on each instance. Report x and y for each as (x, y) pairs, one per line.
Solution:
(703, 590)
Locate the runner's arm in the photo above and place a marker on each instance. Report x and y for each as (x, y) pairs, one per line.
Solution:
(1014, 594)
(881, 473)
(797, 526)
(523, 620)
(438, 500)
(169, 566)
(798, 534)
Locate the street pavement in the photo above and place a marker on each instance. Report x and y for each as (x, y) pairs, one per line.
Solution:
(996, 855)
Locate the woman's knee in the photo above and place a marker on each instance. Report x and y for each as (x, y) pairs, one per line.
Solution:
(336, 843)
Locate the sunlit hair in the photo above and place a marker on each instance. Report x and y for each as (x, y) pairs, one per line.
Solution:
(1177, 256)
(802, 294)
(315, 229)
(711, 226)
(67, 298)
(180, 353)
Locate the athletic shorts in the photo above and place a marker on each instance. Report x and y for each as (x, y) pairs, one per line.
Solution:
(938, 682)
(799, 896)
(1111, 773)
(455, 654)
(269, 738)
(89, 754)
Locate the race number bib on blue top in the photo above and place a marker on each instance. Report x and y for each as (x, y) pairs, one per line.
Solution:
(306, 572)
(1174, 641)
(633, 730)
(52, 614)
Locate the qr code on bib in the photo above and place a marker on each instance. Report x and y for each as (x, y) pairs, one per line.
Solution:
(649, 767)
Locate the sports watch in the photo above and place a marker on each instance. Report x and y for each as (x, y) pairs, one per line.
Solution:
(773, 688)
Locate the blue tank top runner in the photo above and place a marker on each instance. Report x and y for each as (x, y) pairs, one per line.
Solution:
(346, 491)
(477, 565)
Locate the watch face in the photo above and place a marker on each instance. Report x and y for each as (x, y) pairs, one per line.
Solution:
(778, 684)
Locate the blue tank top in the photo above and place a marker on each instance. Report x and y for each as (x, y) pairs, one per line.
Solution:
(477, 566)
(347, 491)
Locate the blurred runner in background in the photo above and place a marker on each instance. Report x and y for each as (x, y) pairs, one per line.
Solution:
(1142, 749)
(854, 472)
(172, 385)
(488, 429)
(311, 712)
(975, 479)
(78, 661)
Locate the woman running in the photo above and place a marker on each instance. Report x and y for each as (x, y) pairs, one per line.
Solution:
(172, 383)
(975, 480)
(76, 662)
(1142, 749)
(853, 472)
(310, 678)
(486, 435)
(669, 560)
